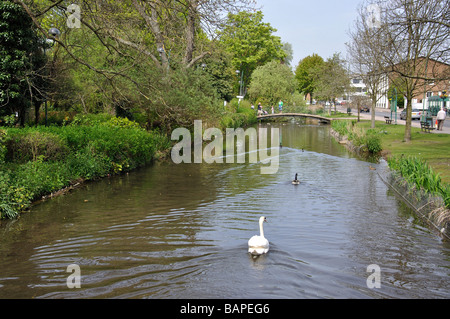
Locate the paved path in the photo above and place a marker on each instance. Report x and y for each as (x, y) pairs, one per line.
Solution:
(386, 112)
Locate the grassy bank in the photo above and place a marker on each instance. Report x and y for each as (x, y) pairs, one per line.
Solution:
(434, 149)
(424, 161)
(36, 161)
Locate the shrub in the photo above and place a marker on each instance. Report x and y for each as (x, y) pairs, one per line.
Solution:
(28, 144)
(3, 149)
(373, 141)
(358, 136)
(46, 159)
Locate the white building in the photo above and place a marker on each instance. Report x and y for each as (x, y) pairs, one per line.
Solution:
(382, 96)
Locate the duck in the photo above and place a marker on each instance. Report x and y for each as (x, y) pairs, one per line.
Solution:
(259, 245)
(295, 181)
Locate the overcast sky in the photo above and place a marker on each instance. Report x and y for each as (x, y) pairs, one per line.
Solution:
(318, 26)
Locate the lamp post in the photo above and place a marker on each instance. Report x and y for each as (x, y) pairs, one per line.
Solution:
(241, 83)
(443, 97)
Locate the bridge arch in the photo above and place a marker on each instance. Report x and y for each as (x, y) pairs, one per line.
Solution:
(318, 117)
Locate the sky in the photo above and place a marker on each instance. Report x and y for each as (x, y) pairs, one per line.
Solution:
(311, 26)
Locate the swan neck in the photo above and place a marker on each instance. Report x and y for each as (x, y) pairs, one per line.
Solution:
(261, 230)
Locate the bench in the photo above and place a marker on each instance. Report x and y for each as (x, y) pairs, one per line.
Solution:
(426, 126)
(388, 120)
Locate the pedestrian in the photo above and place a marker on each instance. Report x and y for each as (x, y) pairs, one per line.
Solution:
(259, 109)
(272, 109)
(280, 106)
(440, 119)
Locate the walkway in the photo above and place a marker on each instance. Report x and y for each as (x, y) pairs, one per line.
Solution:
(387, 112)
(321, 118)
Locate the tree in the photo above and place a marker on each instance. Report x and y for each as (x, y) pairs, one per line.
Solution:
(331, 80)
(305, 74)
(287, 47)
(251, 42)
(145, 55)
(364, 56)
(21, 61)
(409, 34)
(272, 82)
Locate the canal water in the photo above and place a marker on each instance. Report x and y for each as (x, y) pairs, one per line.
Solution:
(181, 231)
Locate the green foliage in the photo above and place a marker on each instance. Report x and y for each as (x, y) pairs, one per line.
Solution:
(305, 73)
(46, 159)
(331, 79)
(238, 115)
(21, 56)
(342, 127)
(28, 144)
(373, 141)
(189, 95)
(418, 173)
(251, 42)
(358, 136)
(3, 149)
(272, 82)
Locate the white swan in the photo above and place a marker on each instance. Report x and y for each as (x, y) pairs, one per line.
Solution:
(258, 245)
(295, 181)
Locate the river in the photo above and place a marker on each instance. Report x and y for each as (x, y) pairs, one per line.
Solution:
(181, 230)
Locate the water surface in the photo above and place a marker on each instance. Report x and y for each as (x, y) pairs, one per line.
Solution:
(181, 231)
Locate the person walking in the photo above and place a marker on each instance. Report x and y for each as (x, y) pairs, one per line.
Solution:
(280, 106)
(441, 118)
(259, 109)
(272, 109)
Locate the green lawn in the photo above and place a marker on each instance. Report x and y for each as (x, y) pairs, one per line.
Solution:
(434, 148)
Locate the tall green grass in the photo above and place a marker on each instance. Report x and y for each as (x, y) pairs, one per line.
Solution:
(419, 174)
(370, 139)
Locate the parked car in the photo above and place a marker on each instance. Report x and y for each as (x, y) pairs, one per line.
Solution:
(365, 108)
(415, 114)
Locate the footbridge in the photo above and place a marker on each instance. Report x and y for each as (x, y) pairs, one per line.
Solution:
(317, 117)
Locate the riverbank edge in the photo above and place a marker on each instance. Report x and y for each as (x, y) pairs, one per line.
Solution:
(161, 155)
(158, 154)
(437, 216)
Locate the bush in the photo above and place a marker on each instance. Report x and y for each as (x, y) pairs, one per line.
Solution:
(28, 144)
(3, 149)
(358, 136)
(42, 160)
(373, 141)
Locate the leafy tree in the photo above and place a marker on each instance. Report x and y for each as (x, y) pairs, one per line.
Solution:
(251, 41)
(21, 61)
(272, 82)
(287, 47)
(400, 43)
(332, 79)
(305, 74)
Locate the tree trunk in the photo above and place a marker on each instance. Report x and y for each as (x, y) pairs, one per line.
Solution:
(37, 107)
(372, 115)
(407, 137)
(190, 32)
